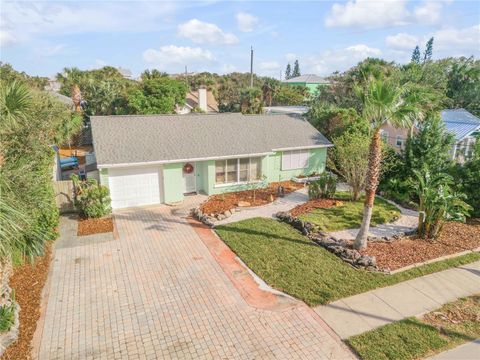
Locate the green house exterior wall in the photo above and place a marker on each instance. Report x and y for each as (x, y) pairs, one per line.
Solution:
(173, 183)
(312, 87)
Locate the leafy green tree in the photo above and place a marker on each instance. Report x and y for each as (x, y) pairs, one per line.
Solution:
(251, 100)
(333, 122)
(152, 74)
(288, 72)
(429, 147)
(383, 101)
(287, 95)
(157, 96)
(349, 158)
(416, 55)
(427, 55)
(463, 84)
(296, 69)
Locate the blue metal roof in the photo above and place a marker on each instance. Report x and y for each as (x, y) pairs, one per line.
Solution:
(460, 122)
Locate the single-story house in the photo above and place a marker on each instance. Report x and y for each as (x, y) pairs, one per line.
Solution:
(276, 110)
(310, 81)
(202, 99)
(459, 122)
(161, 158)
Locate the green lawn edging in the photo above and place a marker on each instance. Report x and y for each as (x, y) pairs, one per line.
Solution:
(414, 338)
(292, 263)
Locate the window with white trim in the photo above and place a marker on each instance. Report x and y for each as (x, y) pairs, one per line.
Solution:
(297, 159)
(234, 171)
(384, 135)
(399, 141)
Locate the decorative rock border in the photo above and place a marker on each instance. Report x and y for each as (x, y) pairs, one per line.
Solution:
(208, 219)
(7, 338)
(337, 247)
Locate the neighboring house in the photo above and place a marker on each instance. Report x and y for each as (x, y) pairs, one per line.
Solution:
(202, 99)
(275, 110)
(310, 81)
(160, 158)
(459, 122)
(126, 73)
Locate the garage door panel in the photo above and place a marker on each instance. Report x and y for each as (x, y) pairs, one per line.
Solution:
(135, 187)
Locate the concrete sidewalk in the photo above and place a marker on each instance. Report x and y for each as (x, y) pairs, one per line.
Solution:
(468, 351)
(357, 314)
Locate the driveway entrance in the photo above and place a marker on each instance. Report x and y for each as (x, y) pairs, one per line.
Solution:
(156, 292)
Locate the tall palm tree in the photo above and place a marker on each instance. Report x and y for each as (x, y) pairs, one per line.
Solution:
(382, 102)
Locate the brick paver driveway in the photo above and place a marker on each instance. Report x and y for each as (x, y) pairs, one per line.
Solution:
(156, 292)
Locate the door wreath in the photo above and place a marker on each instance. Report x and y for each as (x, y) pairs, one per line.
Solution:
(188, 168)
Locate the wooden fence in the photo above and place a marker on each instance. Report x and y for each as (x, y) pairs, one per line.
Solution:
(64, 195)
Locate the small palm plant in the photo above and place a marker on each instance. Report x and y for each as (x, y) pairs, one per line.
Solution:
(437, 203)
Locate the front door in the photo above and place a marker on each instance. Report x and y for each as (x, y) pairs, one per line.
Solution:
(189, 178)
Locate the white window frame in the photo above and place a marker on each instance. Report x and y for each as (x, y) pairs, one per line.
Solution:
(287, 156)
(399, 139)
(384, 135)
(238, 182)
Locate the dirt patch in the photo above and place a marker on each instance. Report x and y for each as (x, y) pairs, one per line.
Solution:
(94, 226)
(218, 204)
(455, 237)
(459, 311)
(311, 205)
(28, 281)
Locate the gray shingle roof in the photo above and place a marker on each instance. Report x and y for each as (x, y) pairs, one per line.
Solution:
(157, 138)
(308, 78)
(460, 122)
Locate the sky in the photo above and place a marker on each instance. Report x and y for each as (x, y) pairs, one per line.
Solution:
(43, 37)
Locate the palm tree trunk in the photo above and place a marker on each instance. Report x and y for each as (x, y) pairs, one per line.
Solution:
(374, 158)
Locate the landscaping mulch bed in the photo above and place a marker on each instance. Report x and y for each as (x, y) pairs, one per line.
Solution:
(28, 281)
(94, 226)
(455, 238)
(218, 204)
(314, 204)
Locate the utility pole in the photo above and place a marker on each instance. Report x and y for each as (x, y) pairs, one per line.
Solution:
(251, 66)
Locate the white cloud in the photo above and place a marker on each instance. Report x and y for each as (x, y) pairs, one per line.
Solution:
(269, 65)
(402, 41)
(28, 19)
(7, 38)
(448, 41)
(374, 14)
(339, 59)
(291, 56)
(429, 12)
(170, 55)
(228, 68)
(368, 14)
(202, 32)
(246, 22)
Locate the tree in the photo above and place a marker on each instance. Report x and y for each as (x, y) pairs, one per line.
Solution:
(288, 95)
(429, 147)
(251, 101)
(288, 72)
(350, 159)
(157, 96)
(382, 102)
(416, 55)
(296, 69)
(463, 83)
(427, 55)
(333, 122)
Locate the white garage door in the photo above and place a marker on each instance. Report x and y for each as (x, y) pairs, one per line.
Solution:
(135, 186)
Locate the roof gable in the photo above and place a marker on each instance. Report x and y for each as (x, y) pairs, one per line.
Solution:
(166, 138)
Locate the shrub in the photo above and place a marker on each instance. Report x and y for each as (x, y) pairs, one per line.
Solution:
(437, 203)
(466, 178)
(91, 198)
(7, 317)
(324, 187)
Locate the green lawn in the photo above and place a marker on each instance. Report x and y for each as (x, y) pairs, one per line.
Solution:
(349, 215)
(413, 338)
(291, 262)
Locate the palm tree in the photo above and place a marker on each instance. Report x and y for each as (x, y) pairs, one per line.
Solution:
(382, 102)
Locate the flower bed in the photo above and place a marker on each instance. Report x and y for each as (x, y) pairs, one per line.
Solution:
(89, 226)
(314, 204)
(219, 204)
(455, 238)
(28, 281)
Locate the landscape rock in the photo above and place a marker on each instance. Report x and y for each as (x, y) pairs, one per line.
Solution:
(243, 204)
